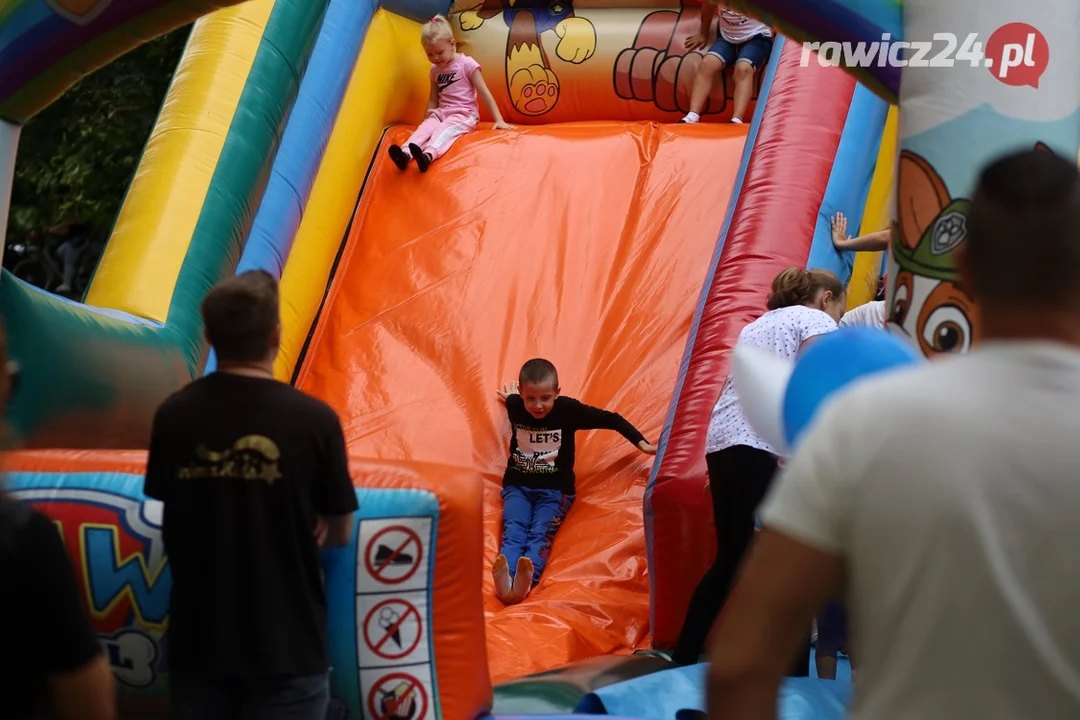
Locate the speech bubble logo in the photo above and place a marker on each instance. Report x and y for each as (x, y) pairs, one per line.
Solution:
(1017, 54)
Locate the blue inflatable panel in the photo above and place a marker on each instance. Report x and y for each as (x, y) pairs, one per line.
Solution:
(659, 696)
(813, 699)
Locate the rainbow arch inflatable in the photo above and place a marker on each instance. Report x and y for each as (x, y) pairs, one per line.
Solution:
(402, 299)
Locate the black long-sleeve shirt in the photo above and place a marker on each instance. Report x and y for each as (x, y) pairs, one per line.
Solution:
(542, 450)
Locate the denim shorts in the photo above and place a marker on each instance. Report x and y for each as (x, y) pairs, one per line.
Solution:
(755, 51)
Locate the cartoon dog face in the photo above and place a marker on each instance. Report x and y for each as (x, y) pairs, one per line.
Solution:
(928, 303)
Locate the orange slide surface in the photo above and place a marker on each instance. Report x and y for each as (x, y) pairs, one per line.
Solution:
(586, 244)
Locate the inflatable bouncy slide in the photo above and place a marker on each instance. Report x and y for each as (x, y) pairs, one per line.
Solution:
(626, 248)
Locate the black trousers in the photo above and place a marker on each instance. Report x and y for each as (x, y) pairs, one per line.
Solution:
(739, 478)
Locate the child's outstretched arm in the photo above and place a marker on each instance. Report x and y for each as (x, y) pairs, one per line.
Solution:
(591, 418)
(701, 39)
(510, 388)
(875, 241)
(485, 95)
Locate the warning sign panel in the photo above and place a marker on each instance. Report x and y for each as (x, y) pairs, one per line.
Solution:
(394, 630)
(398, 694)
(395, 554)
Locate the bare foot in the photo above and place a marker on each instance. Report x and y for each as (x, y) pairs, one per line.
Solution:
(500, 571)
(523, 579)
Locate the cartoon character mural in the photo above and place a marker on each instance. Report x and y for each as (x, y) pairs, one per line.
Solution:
(929, 304)
(531, 81)
(114, 539)
(659, 69)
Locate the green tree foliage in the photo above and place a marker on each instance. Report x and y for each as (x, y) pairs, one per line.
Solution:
(76, 158)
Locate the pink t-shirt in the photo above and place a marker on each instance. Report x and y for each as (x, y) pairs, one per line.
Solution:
(454, 81)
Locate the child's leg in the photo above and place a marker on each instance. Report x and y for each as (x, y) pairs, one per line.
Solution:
(830, 638)
(516, 519)
(720, 55)
(549, 511)
(421, 135)
(752, 56)
(425, 130)
(446, 133)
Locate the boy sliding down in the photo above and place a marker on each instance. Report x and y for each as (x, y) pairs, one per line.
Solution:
(538, 485)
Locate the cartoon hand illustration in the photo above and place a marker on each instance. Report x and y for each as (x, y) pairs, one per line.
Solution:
(635, 67)
(665, 80)
(470, 19)
(659, 69)
(577, 40)
(534, 90)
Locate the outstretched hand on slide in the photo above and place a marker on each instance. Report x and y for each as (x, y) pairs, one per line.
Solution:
(646, 448)
(839, 229)
(508, 389)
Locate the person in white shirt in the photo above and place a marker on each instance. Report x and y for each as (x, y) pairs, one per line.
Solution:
(954, 532)
(871, 314)
(742, 43)
(802, 305)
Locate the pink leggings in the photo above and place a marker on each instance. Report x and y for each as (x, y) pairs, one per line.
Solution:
(440, 129)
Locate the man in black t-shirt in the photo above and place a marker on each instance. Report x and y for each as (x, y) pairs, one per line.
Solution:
(538, 485)
(254, 477)
(51, 664)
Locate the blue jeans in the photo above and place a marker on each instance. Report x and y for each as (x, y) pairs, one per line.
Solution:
(530, 520)
(831, 629)
(755, 51)
(198, 697)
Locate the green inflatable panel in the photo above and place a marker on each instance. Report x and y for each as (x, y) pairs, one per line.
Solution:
(560, 690)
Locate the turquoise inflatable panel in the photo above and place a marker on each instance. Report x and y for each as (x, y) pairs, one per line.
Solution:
(661, 695)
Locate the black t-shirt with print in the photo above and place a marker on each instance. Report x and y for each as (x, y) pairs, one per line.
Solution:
(243, 466)
(542, 451)
(46, 629)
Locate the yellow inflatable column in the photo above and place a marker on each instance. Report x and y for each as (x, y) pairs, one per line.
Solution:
(142, 260)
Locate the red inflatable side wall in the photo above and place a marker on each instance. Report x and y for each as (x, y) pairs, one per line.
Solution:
(771, 229)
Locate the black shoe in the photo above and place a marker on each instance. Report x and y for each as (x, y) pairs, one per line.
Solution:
(422, 158)
(400, 158)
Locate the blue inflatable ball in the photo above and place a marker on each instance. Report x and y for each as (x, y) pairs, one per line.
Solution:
(834, 361)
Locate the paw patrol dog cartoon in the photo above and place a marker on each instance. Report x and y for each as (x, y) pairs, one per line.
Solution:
(929, 305)
(531, 82)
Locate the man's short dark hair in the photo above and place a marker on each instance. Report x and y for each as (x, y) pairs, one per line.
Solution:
(1023, 244)
(241, 316)
(538, 371)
